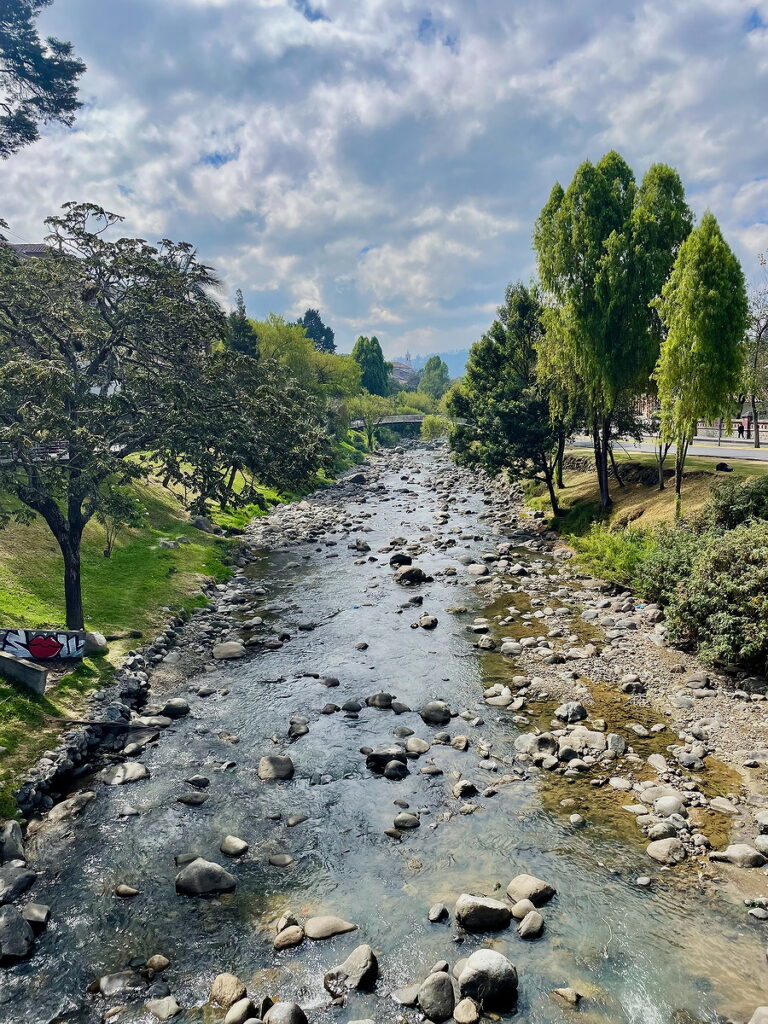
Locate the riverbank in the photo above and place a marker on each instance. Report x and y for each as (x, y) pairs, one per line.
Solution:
(367, 632)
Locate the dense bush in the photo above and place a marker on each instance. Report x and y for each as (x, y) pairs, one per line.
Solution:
(667, 562)
(721, 605)
(734, 501)
(433, 427)
(615, 555)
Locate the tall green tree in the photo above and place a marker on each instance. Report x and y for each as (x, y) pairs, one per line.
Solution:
(703, 307)
(435, 379)
(370, 409)
(605, 248)
(38, 80)
(755, 372)
(108, 372)
(241, 334)
(507, 421)
(374, 372)
(322, 336)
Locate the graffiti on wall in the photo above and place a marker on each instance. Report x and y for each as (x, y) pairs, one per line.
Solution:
(42, 645)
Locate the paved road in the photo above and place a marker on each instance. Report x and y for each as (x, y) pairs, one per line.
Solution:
(727, 450)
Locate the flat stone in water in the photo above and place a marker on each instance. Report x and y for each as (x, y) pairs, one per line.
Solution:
(280, 860)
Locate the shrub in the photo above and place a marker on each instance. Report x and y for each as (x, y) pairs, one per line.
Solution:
(387, 438)
(722, 605)
(433, 427)
(736, 501)
(668, 561)
(614, 556)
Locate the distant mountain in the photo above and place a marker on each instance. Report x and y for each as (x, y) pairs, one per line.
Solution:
(455, 361)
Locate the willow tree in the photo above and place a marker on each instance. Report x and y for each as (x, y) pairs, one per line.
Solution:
(605, 247)
(704, 309)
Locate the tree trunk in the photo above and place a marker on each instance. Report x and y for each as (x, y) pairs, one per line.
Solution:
(681, 452)
(756, 421)
(73, 595)
(601, 459)
(614, 466)
(549, 480)
(232, 476)
(559, 460)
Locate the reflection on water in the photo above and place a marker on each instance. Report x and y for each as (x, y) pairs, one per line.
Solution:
(637, 956)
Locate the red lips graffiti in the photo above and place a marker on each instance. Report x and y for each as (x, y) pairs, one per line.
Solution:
(43, 647)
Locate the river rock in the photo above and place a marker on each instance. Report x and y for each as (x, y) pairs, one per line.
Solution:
(466, 1012)
(285, 1013)
(528, 887)
(17, 939)
(521, 908)
(481, 913)
(740, 854)
(226, 990)
(228, 650)
(666, 851)
(241, 1011)
(121, 982)
(164, 1009)
(436, 997)
(409, 575)
(406, 820)
(121, 774)
(15, 878)
(326, 926)
(204, 877)
(416, 745)
(760, 1016)
(292, 935)
(531, 926)
(36, 915)
(378, 759)
(572, 711)
(233, 847)
(157, 963)
(11, 842)
(175, 707)
(490, 979)
(276, 766)
(438, 912)
(359, 971)
(436, 712)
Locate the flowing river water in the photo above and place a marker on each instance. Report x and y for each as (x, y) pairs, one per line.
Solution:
(677, 952)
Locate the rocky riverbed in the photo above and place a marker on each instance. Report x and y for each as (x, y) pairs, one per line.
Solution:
(408, 763)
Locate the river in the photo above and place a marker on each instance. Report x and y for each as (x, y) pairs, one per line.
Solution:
(676, 952)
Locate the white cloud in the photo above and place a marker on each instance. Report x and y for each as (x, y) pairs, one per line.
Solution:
(385, 159)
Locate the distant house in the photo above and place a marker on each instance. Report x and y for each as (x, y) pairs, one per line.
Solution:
(31, 250)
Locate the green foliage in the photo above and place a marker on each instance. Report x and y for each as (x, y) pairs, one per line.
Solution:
(703, 307)
(668, 563)
(117, 508)
(387, 438)
(614, 555)
(415, 403)
(507, 418)
(38, 80)
(322, 337)
(734, 501)
(241, 335)
(604, 249)
(374, 372)
(433, 427)
(371, 409)
(721, 607)
(435, 379)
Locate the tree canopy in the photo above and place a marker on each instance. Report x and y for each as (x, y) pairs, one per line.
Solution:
(109, 370)
(322, 336)
(435, 379)
(374, 370)
(241, 335)
(704, 309)
(38, 80)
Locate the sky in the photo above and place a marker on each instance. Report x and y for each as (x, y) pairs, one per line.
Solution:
(384, 160)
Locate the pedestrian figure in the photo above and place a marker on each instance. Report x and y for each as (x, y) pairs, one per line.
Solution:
(741, 429)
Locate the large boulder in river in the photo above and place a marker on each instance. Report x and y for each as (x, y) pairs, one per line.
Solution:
(666, 851)
(276, 766)
(204, 878)
(227, 989)
(760, 1016)
(11, 842)
(408, 575)
(541, 744)
(359, 971)
(740, 854)
(326, 926)
(17, 939)
(481, 913)
(528, 887)
(436, 997)
(285, 1013)
(228, 649)
(490, 979)
(121, 774)
(572, 711)
(436, 712)
(15, 879)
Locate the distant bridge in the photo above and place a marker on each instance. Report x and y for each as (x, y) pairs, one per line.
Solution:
(385, 421)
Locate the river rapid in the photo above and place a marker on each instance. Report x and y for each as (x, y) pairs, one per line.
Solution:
(673, 953)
